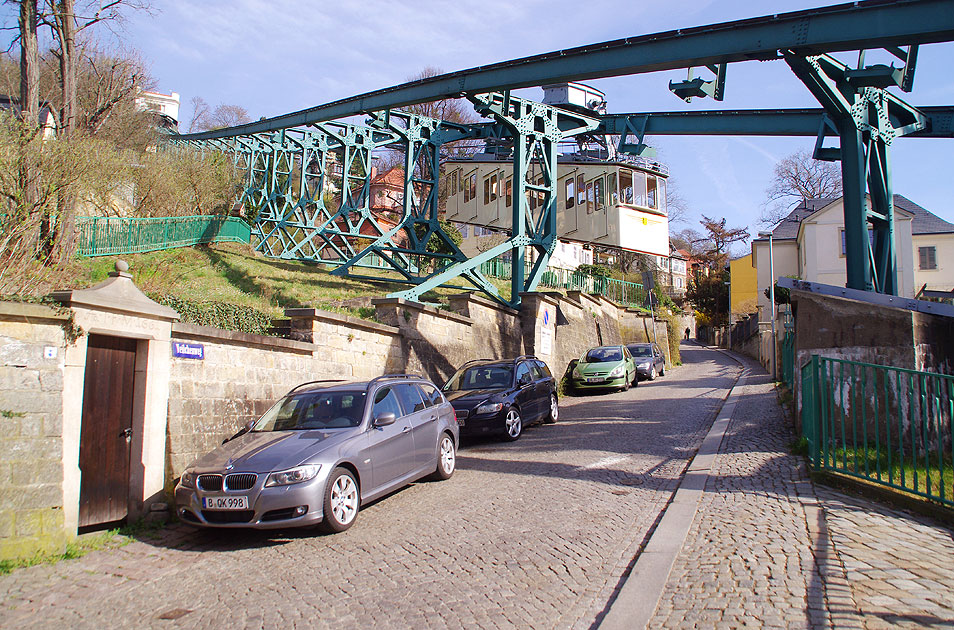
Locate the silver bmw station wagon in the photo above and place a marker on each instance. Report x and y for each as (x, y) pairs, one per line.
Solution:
(320, 453)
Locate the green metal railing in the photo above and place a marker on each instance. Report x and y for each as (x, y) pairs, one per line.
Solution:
(620, 291)
(103, 236)
(787, 359)
(887, 425)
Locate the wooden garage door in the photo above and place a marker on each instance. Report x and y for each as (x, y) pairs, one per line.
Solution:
(106, 432)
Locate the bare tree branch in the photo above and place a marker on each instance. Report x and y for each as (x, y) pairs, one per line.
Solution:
(799, 177)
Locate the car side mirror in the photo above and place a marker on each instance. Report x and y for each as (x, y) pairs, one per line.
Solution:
(384, 419)
(524, 379)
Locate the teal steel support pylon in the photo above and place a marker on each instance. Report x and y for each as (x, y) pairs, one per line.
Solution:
(866, 118)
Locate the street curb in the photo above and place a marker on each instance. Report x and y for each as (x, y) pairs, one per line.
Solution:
(641, 591)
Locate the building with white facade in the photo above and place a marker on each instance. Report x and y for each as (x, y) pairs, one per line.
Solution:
(810, 244)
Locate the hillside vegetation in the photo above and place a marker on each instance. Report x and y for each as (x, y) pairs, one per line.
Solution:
(234, 274)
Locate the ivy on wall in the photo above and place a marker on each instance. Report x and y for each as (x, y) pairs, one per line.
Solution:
(218, 315)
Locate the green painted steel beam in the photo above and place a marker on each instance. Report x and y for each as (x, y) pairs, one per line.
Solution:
(852, 26)
(753, 122)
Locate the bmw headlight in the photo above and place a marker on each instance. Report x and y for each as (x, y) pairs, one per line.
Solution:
(188, 479)
(618, 370)
(297, 474)
(488, 408)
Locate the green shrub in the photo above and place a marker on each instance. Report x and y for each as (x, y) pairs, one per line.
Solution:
(218, 314)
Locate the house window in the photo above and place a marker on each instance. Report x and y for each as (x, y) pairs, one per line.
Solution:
(927, 257)
(508, 187)
(844, 246)
(464, 230)
(570, 192)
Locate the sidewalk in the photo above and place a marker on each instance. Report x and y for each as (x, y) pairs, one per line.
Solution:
(766, 548)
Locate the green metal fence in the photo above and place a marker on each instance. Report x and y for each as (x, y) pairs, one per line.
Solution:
(787, 359)
(103, 236)
(887, 425)
(620, 291)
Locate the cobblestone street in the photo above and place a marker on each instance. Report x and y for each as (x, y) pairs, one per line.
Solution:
(536, 533)
(540, 533)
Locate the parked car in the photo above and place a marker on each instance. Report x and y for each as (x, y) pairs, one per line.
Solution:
(320, 453)
(604, 367)
(650, 361)
(502, 396)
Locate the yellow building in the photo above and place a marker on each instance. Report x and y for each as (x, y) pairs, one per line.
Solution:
(743, 287)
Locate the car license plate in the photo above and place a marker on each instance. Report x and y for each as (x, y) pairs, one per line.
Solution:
(594, 379)
(225, 503)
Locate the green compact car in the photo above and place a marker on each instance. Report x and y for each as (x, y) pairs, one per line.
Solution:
(603, 368)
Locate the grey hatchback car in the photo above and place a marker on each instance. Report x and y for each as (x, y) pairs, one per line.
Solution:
(321, 452)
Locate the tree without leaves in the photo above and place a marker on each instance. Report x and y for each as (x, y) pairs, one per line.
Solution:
(204, 118)
(799, 177)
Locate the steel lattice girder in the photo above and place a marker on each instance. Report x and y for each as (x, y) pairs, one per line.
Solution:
(422, 138)
(843, 27)
(536, 130)
(867, 120)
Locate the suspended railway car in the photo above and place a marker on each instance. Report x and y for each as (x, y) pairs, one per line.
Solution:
(613, 203)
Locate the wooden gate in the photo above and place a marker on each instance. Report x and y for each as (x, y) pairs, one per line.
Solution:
(106, 432)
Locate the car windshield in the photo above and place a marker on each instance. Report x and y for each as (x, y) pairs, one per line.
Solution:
(314, 410)
(495, 376)
(603, 355)
(640, 351)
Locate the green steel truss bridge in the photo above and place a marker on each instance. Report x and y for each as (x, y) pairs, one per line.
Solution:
(289, 158)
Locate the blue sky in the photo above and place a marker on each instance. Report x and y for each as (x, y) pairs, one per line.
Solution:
(278, 56)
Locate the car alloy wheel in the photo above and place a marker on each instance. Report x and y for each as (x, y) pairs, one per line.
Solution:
(341, 501)
(554, 410)
(652, 373)
(446, 458)
(513, 424)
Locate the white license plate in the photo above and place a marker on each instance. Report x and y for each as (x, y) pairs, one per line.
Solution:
(225, 503)
(595, 379)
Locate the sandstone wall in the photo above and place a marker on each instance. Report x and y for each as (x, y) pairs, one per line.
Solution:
(32, 344)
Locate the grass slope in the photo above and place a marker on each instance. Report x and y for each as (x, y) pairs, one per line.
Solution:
(235, 274)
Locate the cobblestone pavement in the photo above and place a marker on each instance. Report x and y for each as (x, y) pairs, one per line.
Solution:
(531, 534)
(769, 549)
(900, 566)
(752, 557)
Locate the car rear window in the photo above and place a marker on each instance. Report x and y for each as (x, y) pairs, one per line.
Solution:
(431, 395)
(411, 398)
